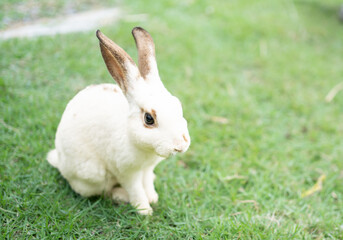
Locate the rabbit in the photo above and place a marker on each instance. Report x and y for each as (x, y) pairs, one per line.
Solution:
(111, 137)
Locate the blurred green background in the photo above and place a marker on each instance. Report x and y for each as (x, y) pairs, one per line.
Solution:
(252, 77)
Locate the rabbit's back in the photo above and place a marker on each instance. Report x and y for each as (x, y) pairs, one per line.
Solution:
(91, 130)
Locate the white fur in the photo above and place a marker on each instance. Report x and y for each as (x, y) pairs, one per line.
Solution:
(101, 141)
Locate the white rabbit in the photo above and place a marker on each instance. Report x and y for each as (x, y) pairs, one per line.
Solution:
(111, 138)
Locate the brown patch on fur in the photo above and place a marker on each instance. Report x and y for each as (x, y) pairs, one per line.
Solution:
(115, 58)
(109, 88)
(115, 67)
(153, 113)
(146, 48)
(184, 138)
(148, 126)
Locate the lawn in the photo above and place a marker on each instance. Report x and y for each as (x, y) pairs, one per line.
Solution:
(252, 77)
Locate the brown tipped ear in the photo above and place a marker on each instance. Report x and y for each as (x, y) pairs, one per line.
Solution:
(116, 60)
(146, 51)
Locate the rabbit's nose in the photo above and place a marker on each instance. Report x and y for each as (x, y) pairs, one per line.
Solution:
(182, 143)
(185, 138)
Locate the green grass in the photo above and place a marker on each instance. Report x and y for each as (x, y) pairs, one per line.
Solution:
(266, 66)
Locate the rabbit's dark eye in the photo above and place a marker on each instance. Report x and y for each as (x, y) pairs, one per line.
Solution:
(148, 119)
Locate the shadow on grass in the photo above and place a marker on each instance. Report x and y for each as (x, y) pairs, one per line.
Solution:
(322, 10)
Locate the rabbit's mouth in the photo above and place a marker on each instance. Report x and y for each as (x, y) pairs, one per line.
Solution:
(165, 152)
(172, 153)
(162, 156)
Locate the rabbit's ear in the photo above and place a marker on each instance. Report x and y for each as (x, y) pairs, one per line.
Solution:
(146, 52)
(118, 62)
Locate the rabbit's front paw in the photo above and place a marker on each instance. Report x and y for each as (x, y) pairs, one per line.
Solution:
(145, 211)
(152, 196)
(143, 208)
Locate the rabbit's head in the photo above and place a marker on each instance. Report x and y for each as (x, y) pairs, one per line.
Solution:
(155, 120)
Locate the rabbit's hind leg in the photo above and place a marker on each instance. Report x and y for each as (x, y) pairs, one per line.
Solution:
(86, 188)
(90, 179)
(120, 194)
